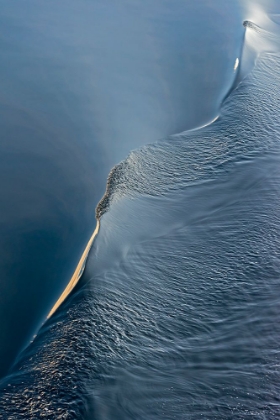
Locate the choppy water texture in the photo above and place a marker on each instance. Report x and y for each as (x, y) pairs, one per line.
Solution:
(177, 313)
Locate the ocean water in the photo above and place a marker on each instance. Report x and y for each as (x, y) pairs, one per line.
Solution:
(81, 86)
(176, 315)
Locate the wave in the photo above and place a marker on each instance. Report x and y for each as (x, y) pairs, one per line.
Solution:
(248, 126)
(97, 329)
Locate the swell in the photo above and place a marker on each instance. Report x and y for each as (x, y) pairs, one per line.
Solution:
(51, 377)
(160, 168)
(121, 175)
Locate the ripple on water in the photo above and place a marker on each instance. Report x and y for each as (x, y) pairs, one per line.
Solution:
(179, 318)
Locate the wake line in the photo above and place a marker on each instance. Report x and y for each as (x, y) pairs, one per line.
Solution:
(77, 273)
(101, 208)
(104, 203)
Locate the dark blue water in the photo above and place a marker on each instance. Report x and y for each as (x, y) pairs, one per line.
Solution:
(81, 86)
(177, 313)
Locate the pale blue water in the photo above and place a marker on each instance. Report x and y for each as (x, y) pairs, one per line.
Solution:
(177, 313)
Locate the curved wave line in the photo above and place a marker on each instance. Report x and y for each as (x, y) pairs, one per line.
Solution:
(77, 273)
